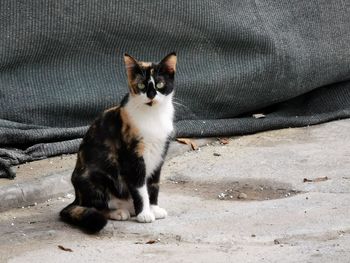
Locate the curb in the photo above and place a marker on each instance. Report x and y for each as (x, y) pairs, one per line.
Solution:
(22, 192)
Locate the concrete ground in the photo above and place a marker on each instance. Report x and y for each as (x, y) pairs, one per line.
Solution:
(244, 201)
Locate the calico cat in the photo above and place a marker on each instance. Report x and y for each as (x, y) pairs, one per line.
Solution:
(120, 158)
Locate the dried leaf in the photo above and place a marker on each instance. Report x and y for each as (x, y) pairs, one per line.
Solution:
(259, 115)
(319, 179)
(152, 241)
(188, 142)
(65, 248)
(224, 140)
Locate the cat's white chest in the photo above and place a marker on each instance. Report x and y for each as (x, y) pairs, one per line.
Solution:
(155, 126)
(155, 133)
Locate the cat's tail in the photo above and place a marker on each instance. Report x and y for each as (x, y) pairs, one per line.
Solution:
(87, 218)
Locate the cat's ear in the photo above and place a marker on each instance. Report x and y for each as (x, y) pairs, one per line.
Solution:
(168, 64)
(130, 62)
(132, 66)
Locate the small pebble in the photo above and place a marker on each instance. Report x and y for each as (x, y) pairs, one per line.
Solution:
(222, 196)
(242, 196)
(216, 154)
(69, 196)
(253, 235)
(12, 224)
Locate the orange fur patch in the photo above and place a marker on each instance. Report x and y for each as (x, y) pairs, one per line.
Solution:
(130, 132)
(145, 64)
(77, 212)
(170, 62)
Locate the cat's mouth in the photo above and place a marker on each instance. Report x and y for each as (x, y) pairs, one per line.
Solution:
(150, 103)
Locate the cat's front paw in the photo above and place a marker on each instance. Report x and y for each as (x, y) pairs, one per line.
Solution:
(145, 216)
(159, 213)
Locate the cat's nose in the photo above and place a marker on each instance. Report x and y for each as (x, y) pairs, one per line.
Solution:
(151, 93)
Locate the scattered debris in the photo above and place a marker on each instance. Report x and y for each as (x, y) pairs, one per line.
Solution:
(188, 142)
(276, 242)
(69, 196)
(152, 241)
(216, 154)
(224, 140)
(65, 248)
(319, 179)
(229, 190)
(149, 242)
(242, 196)
(222, 196)
(259, 115)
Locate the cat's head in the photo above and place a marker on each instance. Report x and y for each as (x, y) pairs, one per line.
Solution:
(151, 83)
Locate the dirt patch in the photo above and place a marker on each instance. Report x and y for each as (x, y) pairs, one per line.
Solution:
(242, 190)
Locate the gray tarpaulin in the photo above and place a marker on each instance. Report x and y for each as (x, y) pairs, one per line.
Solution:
(61, 64)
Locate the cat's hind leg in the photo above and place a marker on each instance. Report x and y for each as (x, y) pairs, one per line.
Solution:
(120, 209)
(119, 215)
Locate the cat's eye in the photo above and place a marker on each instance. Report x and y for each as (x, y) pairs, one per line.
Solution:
(160, 85)
(141, 86)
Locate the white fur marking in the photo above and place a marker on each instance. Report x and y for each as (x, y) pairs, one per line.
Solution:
(151, 80)
(146, 215)
(159, 213)
(155, 124)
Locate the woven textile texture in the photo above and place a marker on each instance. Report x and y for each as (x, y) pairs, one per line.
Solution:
(61, 63)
